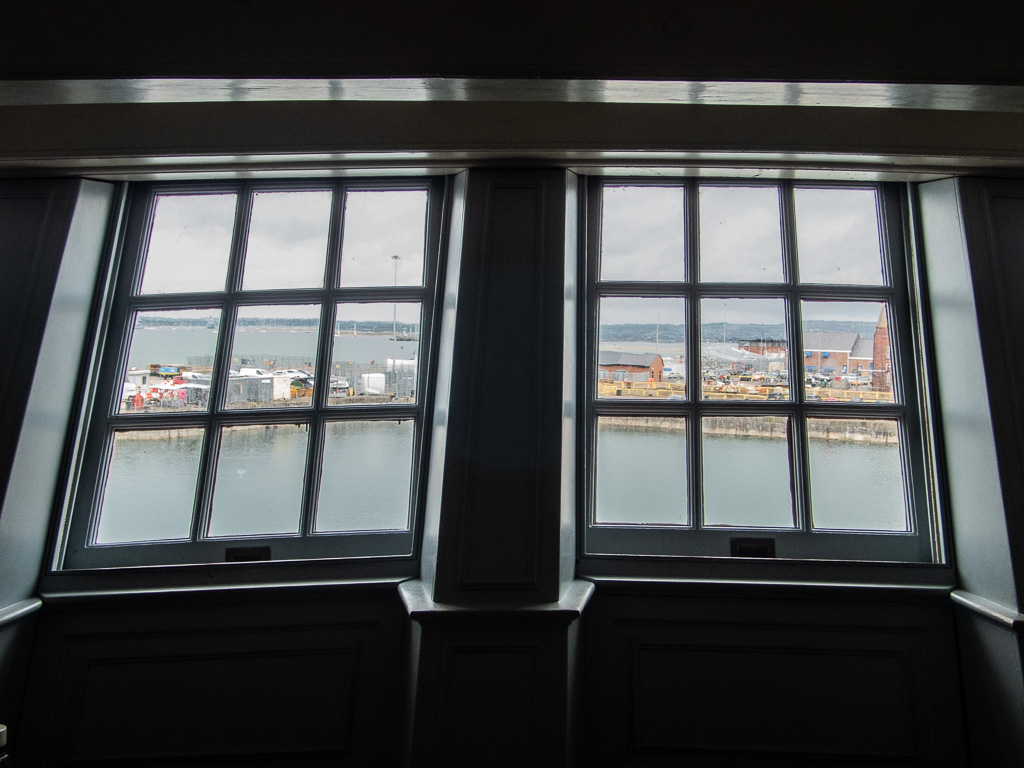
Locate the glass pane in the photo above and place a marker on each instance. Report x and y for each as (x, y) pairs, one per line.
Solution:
(170, 361)
(642, 348)
(740, 234)
(746, 471)
(376, 352)
(384, 238)
(856, 475)
(151, 486)
(837, 236)
(189, 244)
(367, 476)
(287, 243)
(643, 233)
(846, 352)
(641, 471)
(273, 357)
(744, 349)
(259, 480)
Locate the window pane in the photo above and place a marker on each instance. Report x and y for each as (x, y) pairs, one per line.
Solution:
(170, 361)
(747, 480)
(376, 353)
(641, 471)
(259, 480)
(837, 236)
(643, 233)
(740, 234)
(856, 477)
(366, 479)
(189, 244)
(287, 242)
(384, 238)
(846, 352)
(642, 348)
(744, 347)
(273, 357)
(151, 485)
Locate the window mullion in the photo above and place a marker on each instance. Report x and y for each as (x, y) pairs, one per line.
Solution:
(694, 445)
(221, 366)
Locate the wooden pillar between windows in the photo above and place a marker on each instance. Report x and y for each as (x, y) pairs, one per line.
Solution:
(495, 611)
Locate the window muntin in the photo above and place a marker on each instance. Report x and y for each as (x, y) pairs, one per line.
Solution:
(757, 455)
(234, 422)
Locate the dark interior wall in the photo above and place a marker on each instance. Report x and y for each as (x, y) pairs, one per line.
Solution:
(799, 40)
(668, 675)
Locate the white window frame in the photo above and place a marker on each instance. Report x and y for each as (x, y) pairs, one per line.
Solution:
(608, 543)
(118, 302)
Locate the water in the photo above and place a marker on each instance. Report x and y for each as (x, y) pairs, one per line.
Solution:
(174, 346)
(365, 484)
(641, 479)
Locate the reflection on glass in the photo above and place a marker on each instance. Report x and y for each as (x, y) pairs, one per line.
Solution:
(376, 353)
(366, 480)
(846, 352)
(642, 348)
(258, 487)
(642, 233)
(273, 357)
(151, 486)
(170, 361)
(641, 471)
(837, 236)
(856, 478)
(384, 236)
(744, 349)
(189, 244)
(740, 234)
(287, 242)
(746, 472)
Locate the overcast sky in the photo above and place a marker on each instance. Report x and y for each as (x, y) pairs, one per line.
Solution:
(379, 225)
(837, 236)
(190, 243)
(643, 234)
(287, 244)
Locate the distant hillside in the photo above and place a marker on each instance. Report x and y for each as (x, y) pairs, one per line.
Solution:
(724, 332)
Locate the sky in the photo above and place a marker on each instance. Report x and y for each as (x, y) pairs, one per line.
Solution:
(643, 234)
(287, 243)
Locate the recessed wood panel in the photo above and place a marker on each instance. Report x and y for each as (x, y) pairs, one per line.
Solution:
(770, 701)
(492, 707)
(255, 704)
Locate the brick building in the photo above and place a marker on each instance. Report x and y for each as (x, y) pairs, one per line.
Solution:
(627, 366)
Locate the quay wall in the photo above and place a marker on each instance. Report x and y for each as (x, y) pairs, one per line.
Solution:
(883, 432)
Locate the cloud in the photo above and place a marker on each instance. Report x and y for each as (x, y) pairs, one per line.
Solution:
(287, 244)
(740, 234)
(837, 236)
(190, 243)
(378, 226)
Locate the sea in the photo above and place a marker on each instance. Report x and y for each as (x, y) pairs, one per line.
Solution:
(365, 482)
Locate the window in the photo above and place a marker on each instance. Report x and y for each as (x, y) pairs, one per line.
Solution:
(264, 388)
(723, 320)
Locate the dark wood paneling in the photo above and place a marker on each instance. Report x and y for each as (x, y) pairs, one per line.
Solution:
(499, 529)
(993, 693)
(768, 681)
(909, 41)
(302, 683)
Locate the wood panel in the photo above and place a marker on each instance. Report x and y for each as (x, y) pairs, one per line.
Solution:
(500, 521)
(737, 681)
(307, 683)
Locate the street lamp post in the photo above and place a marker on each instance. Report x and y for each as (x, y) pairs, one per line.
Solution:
(394, 329)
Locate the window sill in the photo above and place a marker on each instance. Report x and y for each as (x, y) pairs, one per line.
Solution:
(760, 573)
(264, 579)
